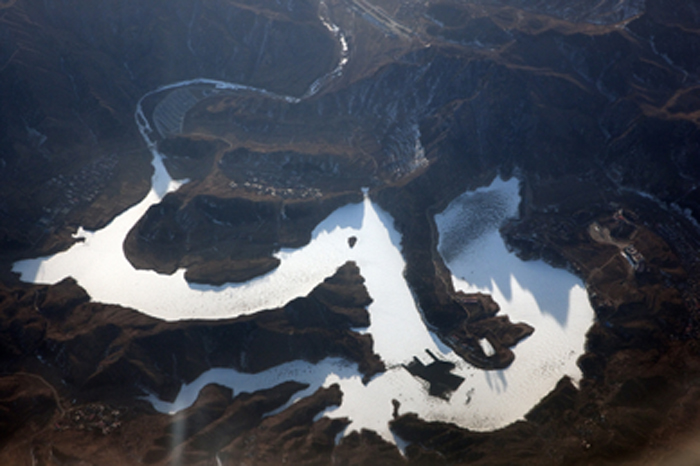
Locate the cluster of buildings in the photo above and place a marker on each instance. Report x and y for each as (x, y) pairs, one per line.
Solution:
(688, 251)
(271, 188)
(82, 187)
(634, 258)
(91, 418)
(285, 193)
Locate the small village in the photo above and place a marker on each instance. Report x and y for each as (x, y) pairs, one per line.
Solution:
(301, 192)
(93, 417)
(675, 233)
(688, 251)
(620, 232)
(64, 193)
(77, 189)
(287, 175)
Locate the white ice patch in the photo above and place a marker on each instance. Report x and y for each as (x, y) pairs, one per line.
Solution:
(553, 301)
(487, 347)
(550, 300)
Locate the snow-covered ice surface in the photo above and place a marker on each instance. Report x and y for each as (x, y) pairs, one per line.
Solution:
(550, 300)
(553, 301)
(99, 265)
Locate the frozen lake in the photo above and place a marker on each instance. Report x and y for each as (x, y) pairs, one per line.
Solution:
(551, 300)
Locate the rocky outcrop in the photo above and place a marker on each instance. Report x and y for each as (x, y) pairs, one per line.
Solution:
(205, 430)
(294, 436)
